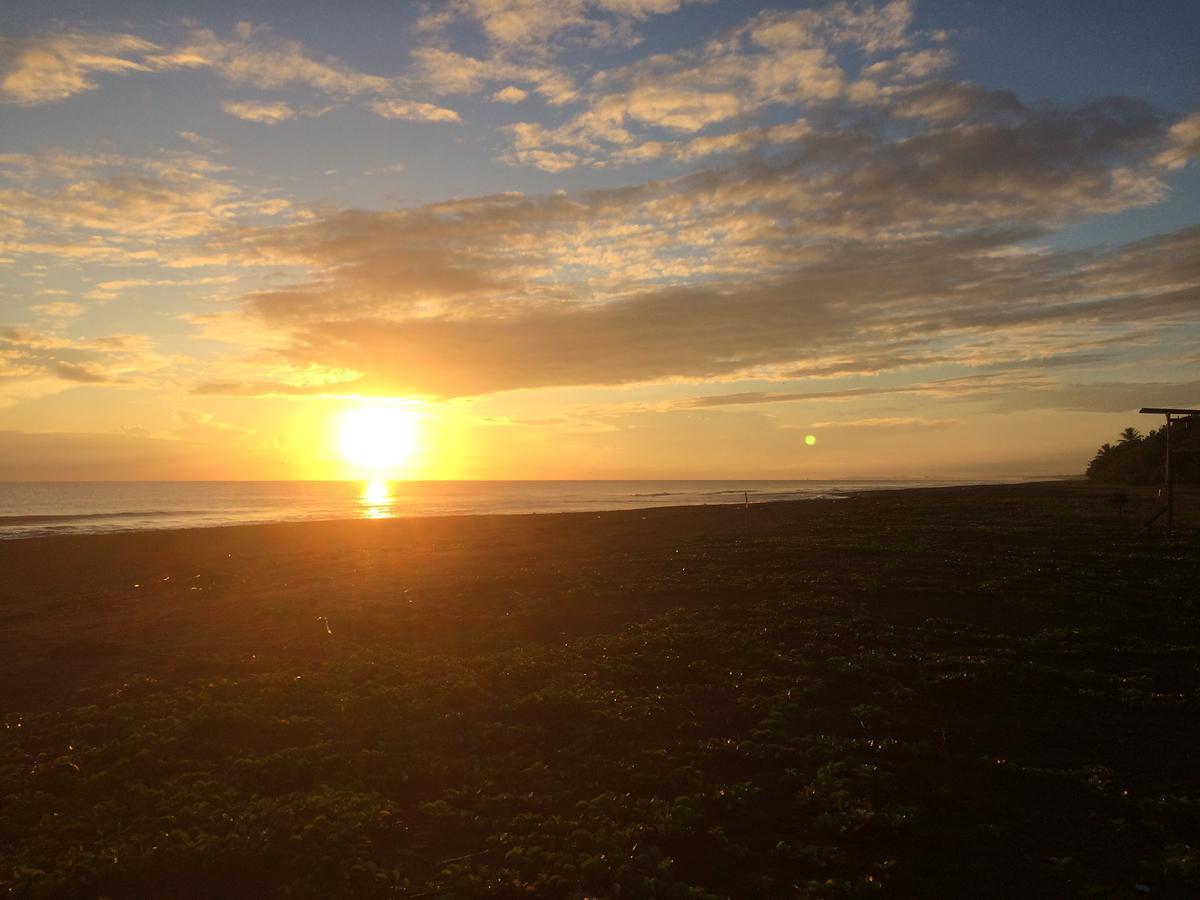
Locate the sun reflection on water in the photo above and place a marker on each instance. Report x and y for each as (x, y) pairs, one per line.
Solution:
(375, 500)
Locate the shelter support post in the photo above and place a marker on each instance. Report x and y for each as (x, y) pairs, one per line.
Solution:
(1168, 473)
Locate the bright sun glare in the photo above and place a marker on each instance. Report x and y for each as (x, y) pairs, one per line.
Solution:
(378, 435)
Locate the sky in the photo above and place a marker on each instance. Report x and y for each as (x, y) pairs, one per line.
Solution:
(594, 238)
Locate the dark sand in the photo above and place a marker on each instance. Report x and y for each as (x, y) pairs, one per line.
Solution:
(1032, 651)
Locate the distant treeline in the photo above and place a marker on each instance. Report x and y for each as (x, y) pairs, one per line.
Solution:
(1138, 458)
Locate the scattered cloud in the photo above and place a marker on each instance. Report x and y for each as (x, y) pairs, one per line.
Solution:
(1018, 389)
(1183, 143)
(771, 59)
(253, 111)
(110, 290)
(510, 94)
(200, 141)
(710, 145)
(445, 71)
(890, 423)
(255, 55)
(109, 208)
(423, 300)
(50, 68)
(28, 354)
(547, 24)
(58, 310)
(276, 388)
(412, 111)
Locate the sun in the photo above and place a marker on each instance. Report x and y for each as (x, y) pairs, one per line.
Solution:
(379, 435)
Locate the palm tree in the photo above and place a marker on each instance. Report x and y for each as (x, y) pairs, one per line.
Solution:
(1129, 435)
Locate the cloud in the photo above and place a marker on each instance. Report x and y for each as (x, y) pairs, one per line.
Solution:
(413, 112)
(58, 310)
(448, 72)
(108, 208)
(654, 337)
(1004, 392)
(1183, 143)
(200, 141)
(253, 111)
(50, 68)
(127, 203)
(271, 113)
(510, 94)
(958, 386)
(276, 388)
(110, 290)
(546, 160)
(522, 23)
(73, 372)
(29, 355)
(682, 105)
(709, 145)
(888, 423)
(771, 59)
(426, 300)
(256, 55)
(911, 65)
(1107, 396)
(821, 203)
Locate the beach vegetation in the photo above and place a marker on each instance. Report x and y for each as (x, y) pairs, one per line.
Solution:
(1139, 458)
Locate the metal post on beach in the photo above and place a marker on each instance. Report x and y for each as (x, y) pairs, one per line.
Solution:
(1170, 481)
(1168, 475)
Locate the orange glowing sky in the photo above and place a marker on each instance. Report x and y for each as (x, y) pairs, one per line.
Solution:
(594, 238)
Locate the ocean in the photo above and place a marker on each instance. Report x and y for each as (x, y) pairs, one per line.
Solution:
(30, 509)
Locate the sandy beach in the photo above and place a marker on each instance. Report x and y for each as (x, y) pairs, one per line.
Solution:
(543, 705)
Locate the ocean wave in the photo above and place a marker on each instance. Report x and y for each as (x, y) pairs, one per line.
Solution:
(56, 518)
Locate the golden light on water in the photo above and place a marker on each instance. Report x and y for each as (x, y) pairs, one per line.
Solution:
(378, 436)
(375, 500)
